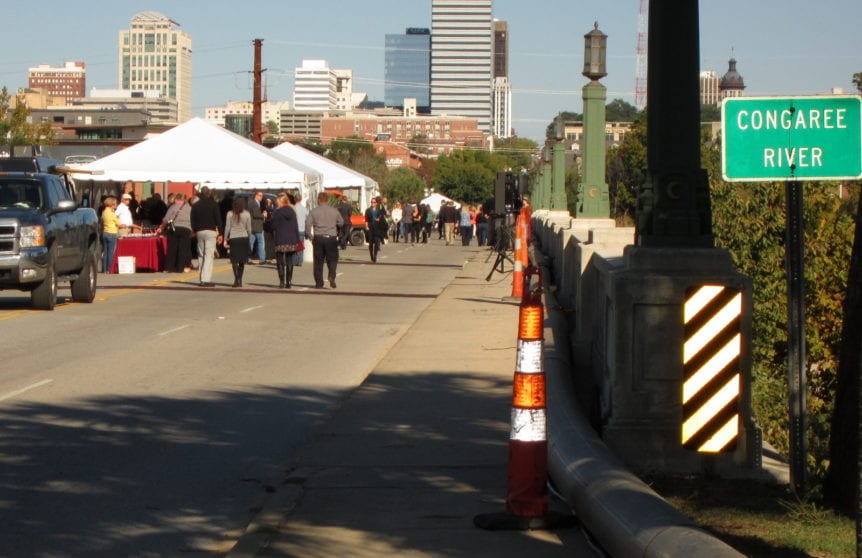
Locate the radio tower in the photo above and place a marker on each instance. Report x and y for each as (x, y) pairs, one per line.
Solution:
(641, 61)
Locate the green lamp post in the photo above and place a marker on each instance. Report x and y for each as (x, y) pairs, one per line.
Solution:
(558, 166)
(593, 193)
(547, 177)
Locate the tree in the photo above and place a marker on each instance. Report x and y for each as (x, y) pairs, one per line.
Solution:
(14, 128)
(404, 185)
(519, 151)
(710, 113)
(565, 115)
(620, 111)
(843, 472)
(749, 220)
(625, 166)
(360, 156)
(467, 175)
(272, 127)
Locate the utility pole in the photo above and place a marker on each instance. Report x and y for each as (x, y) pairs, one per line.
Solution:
(257, 112)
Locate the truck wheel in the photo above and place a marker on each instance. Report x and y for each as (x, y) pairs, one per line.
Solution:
(44, 297)
(84, 287)
(357, 237)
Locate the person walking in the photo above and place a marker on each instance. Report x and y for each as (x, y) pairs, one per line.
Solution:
(418, 222)
(397, 214)
(207, 224)
(286, 237)
(321, 227)
(301, 215)
(407, 221)
(255, 240)
(375, 221)
(237, 231)
(178, 257)
(449, 217)
(346, 210)
(481, 227)
(465, 225)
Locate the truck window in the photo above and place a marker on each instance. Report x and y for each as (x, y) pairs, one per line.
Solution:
(20, 194)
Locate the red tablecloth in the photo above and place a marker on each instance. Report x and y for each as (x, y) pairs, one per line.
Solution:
(149, 252)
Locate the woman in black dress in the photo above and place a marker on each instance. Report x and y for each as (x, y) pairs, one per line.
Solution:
(285, 234)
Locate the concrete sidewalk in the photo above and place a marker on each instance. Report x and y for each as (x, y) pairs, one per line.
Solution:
(411, 456)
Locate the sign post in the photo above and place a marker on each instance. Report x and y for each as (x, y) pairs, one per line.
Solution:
(766, 139)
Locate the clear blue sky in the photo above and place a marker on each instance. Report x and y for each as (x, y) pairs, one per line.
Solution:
(782, 47)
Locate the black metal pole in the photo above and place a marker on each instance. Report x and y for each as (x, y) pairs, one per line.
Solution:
(796, 336)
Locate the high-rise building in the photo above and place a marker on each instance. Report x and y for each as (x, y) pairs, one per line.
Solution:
(68, 82)
(501, 120)
(343, 89)
(407, 68)
(461, 52)
(154, 54)
(501, 102)
(501, 48)
(709, 93)
(314, 86)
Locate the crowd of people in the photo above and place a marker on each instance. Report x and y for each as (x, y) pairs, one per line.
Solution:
(256, 229)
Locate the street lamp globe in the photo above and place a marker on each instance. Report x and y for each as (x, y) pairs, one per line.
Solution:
(595, 50)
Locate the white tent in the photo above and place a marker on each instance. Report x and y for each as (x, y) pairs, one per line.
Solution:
(334, 175)
(198, 151)
(435, 200)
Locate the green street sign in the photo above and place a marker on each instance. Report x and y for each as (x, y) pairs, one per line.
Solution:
(791, 138)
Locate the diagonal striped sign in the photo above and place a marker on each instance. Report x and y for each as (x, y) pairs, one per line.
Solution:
(712, 346)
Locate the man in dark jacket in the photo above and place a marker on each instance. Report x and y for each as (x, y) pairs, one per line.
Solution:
(255, 240)
(207, 225)
(345, 209)
(449, 217)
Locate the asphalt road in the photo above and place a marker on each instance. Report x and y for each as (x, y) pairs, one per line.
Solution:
(153, 421)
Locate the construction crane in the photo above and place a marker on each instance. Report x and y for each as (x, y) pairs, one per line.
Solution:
(641, 60)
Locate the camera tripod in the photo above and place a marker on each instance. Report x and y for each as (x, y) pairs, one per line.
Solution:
(504, 245)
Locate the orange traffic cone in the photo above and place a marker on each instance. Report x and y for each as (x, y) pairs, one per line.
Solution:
(518, 274)
(527, 493)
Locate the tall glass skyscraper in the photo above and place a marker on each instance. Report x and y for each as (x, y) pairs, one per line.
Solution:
(407, 71)
(155, 55)
(461, 59)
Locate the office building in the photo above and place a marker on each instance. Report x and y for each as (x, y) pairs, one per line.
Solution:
(314, 86)
(501, 48)
(407, 69)
(709, 93)
(68, 82)
(270, 111)
(461, 59)
(155, 55)
(160, 109)
(501, 101)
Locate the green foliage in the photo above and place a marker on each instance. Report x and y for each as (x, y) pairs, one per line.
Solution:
(620, 111)
(468, 175)
(573, 179)
(519, 152)
(857, 81)
(360, 156)
(404, 185)
(14, 125)
(710, 113)
(566, 116)
(625, 166)
(749, 220)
